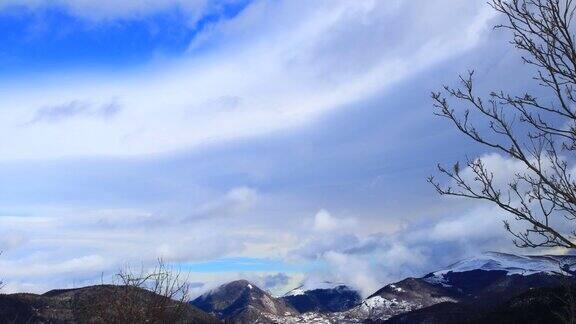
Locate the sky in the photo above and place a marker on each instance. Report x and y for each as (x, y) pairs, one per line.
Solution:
(281, 141)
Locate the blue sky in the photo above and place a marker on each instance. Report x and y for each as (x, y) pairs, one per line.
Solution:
(278, 141)
(52, 37)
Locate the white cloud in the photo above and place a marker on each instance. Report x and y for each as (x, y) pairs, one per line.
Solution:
(286, 63)
(11, 240)
(243, 197)
(79, 245)
(480, 223)
(236, 201)
(84, 264)
(420, 247)
(354, 271)
(503, 168)
(325, 222)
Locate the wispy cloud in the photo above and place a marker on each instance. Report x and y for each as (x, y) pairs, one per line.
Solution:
(292, 63)
(73, 109)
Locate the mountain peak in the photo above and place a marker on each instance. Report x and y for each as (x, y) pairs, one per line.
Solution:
(242, 299)
(241, 283)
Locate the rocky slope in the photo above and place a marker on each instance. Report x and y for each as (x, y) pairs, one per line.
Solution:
(401, 297)
(243, 302)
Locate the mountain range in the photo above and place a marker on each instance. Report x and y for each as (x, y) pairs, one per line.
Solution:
(490, 288)
(470, 290)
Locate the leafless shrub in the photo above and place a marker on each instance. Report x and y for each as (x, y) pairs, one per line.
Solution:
(157, 296)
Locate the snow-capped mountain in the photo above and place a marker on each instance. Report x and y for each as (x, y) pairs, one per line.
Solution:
(489, 288)
(489, 278)
(326, 297)
(243, 302)
(512, 264)
(401, 297)
(480, 283)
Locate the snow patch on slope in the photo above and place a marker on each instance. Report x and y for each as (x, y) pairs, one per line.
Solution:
(512, 264)
(302, 289)
(380, 308)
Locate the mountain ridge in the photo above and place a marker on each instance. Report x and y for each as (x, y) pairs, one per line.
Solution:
(486, 286)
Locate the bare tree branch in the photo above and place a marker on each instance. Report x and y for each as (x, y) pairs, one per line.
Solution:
(539, 134)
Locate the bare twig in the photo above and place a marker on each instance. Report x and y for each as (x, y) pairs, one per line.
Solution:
(539, 134)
